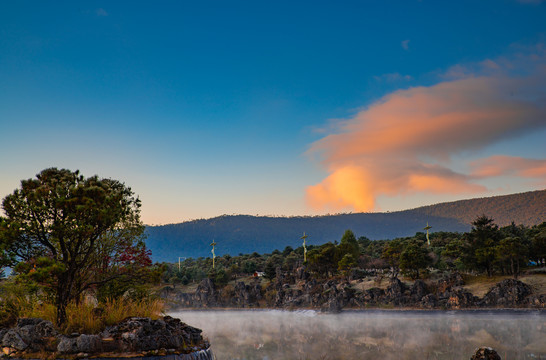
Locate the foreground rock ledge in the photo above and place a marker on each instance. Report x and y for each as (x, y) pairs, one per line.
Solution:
(134, 337)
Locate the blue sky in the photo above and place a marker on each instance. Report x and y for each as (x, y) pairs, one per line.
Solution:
(213, 107)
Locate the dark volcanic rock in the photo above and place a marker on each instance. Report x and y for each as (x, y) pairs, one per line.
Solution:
(538, 301)
(333, 306)
(459, 299)
(134, 335)
(301, 274)
(373, 295)
(395, 293)
(485, 353)
(205, 295)
(509, 292)
(12, 339)
(141, 334)
(450, 281)
(247, 295)
(429, 301)
(291, 291)
(29, 334)
(418, 291)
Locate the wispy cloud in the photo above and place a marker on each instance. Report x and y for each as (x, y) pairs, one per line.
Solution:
(392, 77)
(404, 143)
(101, 12)
(405, 44)
(502, 165)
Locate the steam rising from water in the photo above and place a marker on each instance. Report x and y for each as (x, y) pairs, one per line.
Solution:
(369, 334)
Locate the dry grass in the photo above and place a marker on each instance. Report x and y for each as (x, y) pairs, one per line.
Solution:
(369, 283)
(477, 285)
(85, 317)
(536, 281)
(480, 285)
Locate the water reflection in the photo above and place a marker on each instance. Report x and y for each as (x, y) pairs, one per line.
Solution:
(370, 334)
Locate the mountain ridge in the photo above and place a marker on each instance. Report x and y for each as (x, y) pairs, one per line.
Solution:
(236, 234)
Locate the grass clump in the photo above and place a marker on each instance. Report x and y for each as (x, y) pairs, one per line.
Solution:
(85, 316)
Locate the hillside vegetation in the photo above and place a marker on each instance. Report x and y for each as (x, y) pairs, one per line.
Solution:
(236, 234)
(526, 208)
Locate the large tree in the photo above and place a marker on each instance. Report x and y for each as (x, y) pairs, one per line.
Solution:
(72, 233)
(391, 253)
(414, 257)
(349, 245)
(483, 239)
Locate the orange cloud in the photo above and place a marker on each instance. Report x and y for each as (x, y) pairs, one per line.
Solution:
(403, 143)
(348, 186)
(500, 165)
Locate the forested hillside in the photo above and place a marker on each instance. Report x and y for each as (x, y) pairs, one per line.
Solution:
(236, 234)
(526, 208)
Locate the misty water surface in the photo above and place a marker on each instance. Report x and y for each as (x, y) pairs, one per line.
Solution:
(370, 334)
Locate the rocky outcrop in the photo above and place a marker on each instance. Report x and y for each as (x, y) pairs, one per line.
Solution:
(450, 281)
(537, 301)
(167, 336)
(418, 291)
(396, 292)
(29, 335)
(247, 295)
(507, 293)
(301, 290)
(458, 299)
(206, 294)
(485, 353)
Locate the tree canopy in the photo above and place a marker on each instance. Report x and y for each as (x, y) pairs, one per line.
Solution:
(70, 234)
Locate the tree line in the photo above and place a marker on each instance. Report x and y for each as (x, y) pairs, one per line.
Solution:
(485, 249)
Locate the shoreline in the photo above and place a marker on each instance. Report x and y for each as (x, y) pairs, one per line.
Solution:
(369, 310)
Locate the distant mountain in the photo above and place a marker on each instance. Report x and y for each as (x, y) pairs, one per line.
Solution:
(527, 208)
(236, 234)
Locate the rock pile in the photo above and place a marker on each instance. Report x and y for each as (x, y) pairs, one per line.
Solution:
(485, 353)
(134, 335)
(304, 291)
(509, 292)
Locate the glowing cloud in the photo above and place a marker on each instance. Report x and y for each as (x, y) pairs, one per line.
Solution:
(403, 144)
(501, 165)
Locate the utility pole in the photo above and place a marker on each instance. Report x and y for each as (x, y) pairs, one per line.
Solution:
(427, 228)
(304, 237)
(213, 254)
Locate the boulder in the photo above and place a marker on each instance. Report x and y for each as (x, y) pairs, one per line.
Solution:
(538, 301)
(301, 274)
(333, 306)
(459, 299)
(429, 301)
(509, 292)
(13, 340)
(418, 290)
(395, 292)
(29, 334)
(373, 295)
(450, 281)
(485, 353)
(68, 345)
(205, 295)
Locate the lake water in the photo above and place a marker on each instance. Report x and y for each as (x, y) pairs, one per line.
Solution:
(271, 334)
